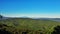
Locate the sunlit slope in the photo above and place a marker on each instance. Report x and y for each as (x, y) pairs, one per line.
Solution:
(30, 23)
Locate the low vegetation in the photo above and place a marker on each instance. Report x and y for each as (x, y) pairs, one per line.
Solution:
(29, 26)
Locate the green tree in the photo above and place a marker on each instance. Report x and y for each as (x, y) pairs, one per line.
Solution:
(1, 16)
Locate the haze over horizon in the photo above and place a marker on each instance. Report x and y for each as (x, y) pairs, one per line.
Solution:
(30, 8)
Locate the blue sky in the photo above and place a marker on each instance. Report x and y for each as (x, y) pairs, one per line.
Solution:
(30, 8)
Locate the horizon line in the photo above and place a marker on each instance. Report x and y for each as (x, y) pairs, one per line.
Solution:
(31, 16)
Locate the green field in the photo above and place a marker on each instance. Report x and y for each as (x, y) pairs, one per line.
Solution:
(28, 25)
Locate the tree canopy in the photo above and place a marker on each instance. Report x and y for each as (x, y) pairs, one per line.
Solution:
(1, 16)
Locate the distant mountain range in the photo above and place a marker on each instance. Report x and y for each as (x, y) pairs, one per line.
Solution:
(2, 17)
(54, 19)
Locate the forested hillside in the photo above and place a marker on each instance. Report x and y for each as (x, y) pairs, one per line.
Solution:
(28, 26)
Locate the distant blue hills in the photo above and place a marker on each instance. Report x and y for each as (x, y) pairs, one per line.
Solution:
(53, 19)
(2, 17)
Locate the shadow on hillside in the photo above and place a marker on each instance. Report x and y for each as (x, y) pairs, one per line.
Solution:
(5, 32)
(56, 30)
